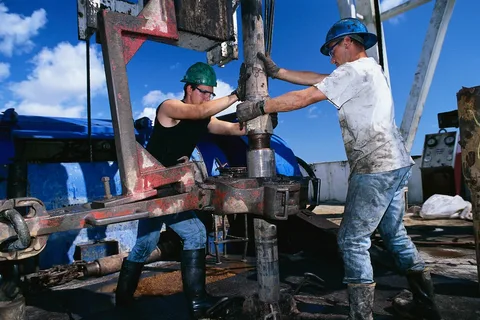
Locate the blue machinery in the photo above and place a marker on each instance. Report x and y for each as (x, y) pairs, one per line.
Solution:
(47, 158)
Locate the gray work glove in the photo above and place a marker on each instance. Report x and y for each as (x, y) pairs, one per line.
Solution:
(274, 117)
(270, 67)
(249, 110)
(242, 80)
(242, 83)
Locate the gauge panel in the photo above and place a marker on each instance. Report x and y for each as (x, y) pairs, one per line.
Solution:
(439, 150)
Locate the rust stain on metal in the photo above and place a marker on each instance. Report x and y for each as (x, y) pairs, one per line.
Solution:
(470, 158)
(235, 205)
(156, 17)
(468, 100)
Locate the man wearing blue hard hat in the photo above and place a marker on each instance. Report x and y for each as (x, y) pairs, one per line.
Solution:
(380, 165)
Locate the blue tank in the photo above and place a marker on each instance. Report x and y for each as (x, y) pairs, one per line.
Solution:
(64, 178)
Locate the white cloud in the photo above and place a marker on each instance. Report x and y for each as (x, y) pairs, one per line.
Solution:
(57, 85)
(313, 112)
(4, 71)
(389, 4)
(49, 110)
(152, 99)
(224, 89)
(386, 5)
(17, 30)
(175, 66)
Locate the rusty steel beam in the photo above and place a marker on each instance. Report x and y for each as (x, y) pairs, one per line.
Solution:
(275, 199)
(77, 217)
(251, 196)
(121, 36)
(42, 223)
(468, 101)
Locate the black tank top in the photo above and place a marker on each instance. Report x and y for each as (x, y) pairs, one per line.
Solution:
(167, 145)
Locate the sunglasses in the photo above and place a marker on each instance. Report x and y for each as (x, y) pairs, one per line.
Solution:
(330, 51)
(204, 92)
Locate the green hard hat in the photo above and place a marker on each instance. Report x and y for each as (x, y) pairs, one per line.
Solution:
(200, 73)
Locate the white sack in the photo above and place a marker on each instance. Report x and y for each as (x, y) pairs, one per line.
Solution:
(440, 206)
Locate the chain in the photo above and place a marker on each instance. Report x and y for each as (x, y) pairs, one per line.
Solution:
(55, 276)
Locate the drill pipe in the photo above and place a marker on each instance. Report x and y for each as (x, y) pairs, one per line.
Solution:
(112, 264)
(260, 157)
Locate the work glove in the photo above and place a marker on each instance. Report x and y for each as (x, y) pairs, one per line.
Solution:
(242, 81)
(249, 110)
(274, 117)
(270, 67)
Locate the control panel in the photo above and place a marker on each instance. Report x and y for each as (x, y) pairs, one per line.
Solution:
(439, 150)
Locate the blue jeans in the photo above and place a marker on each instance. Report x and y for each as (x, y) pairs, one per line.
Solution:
(186, 224)
(375, 201)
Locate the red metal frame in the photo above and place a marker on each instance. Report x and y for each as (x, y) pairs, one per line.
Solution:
(121, 36)
(141, 174)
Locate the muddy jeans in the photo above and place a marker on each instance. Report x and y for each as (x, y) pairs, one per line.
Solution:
(186, 224)
(375, 201)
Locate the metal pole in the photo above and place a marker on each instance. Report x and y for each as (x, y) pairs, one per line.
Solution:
(365, 11)
(442, 12)
(468, 101)
(89, 102)
(402, 8)
(347, 9)
(260, 157)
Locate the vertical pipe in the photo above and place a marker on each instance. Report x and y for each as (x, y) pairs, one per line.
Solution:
(468, 101)
(260, 157)
(89, 102)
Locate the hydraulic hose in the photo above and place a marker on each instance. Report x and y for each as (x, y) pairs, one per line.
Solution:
(310, 173)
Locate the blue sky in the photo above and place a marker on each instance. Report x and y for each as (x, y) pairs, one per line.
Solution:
(42, 67)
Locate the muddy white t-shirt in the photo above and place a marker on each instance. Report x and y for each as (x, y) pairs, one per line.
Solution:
(360, 92)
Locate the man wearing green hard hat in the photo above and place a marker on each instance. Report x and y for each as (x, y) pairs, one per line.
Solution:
(380, 165)
(179, 125)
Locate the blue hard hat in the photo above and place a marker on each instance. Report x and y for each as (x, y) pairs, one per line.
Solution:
(346, 27)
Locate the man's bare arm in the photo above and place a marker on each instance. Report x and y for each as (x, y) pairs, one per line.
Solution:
(306, 78)
(294, 100)
(176, 109)
(225, 128)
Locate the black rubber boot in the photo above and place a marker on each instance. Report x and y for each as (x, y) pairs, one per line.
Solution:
(420, 304)
(127, 282)
(200, 303)
(360, 299)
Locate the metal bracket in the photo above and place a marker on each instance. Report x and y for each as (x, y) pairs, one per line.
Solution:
(226, 51)
(23, 242)
(87, 11)
(273, 208)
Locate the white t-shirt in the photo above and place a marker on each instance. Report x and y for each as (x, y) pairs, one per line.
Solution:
(360, 92)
